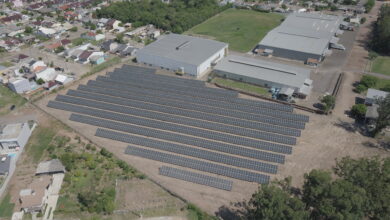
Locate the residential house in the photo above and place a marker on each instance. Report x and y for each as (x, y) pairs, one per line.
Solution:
(5, 164)
(129, 51)
(373, 95)
(37, 66)
(75, 51)
(48, 74)
(46, 32)
(52, 47)
(50, 85)
(11, 18)
(63, 79)
(14, 136)
(34, 198)
(93, 36)
(19, 85)
(97, 59)
(84, 57)
(112, 24)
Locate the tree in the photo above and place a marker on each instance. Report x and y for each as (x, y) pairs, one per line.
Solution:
(272, 202)
(383, 119)
(40, 81)
(373, 175)
(372, 55)
(359, 110)
(28, 30)
(284, 6)
(369, 81)
(381, 33)
(339, 199)
(328, 102)
(119, 38)
(59, 49)
(73, 29)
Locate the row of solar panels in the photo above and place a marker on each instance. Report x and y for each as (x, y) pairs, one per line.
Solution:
(190, 106)
(198, 165)
(96, 93)
(196, 178)
(261, 112)
(188, 151)
(134, 121)
(181, 125)
(128, 70)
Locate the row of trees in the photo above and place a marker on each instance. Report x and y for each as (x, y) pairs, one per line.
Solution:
(381, 32)
(360, 191)
(178, 16)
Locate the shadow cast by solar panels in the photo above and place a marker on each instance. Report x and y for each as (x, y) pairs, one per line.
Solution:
(182, 122)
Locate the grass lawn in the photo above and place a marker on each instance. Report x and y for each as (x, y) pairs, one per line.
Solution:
(381, 65)
(242, 29)
(6, 64)
(6, 208)
(39, 142)
(243, 86)
(9, 98)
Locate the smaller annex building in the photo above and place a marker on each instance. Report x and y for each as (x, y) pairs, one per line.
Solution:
(289, 79)
(183, 54)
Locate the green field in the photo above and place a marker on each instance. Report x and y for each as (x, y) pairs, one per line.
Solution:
(381, 65)
(9, 98)
(242, 29)
(6, 208)
(243, 86)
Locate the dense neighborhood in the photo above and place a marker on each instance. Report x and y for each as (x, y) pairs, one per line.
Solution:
(194, 109)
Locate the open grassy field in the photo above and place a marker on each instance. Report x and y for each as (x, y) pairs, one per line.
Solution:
(381, 65)
(242, 29)
(9, 98)
(6, 208)
(243, 86)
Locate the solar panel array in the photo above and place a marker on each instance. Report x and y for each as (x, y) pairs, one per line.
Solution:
(198, 165)
(196, 178)
(182, 122)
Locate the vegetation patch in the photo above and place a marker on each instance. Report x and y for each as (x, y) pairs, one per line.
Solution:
(6, 64)
(368, 81)
(108, 63)
(242, 86)
(177, 16)
(9, 98)
(242, 29)
(381, 65)
(6, 208)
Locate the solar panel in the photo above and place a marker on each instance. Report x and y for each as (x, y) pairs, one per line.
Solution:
(193, 131)
(196, 178)
(182, 121)
(211, 110)
(178, 138)
(188, 151)
(198, 165)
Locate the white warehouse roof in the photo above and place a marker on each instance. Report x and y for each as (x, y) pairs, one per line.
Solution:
(288, 75)
(183, 48)
(304, 32)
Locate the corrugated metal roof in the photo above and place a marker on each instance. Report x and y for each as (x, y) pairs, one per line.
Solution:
(183, 48)
(305, 32)
(288, 75)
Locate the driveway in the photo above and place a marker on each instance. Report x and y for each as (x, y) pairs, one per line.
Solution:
(53, 196)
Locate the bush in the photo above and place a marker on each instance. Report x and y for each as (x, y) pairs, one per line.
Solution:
(369, 5)
(40, 81)
(360, 88)
(363, 20)
(73, 29)
(372, 55)
(359, 110)
(369, 81)
(328, 102)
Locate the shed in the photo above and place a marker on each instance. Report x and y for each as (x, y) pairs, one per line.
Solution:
(50, 167)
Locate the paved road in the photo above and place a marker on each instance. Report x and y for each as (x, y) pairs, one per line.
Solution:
(383, 76)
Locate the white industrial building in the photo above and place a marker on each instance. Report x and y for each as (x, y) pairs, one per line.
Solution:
(182, 53)
(303, 36)
(13, 137)
(289, 79)
(19, 85)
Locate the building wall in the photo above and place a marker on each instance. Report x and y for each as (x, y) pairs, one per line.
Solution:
(166, 63)
(260, 82)
(173, 65)
(207, 64)
(291, 54)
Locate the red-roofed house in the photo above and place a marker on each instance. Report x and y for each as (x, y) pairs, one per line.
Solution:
(15, 17)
